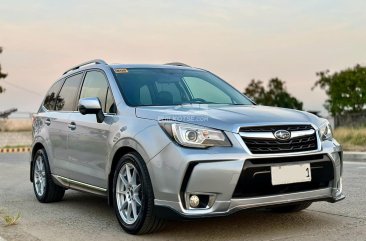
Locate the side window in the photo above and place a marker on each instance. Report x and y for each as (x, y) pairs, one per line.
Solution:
(110, 105)
(68, 94)
(50, 99)
(95, 85)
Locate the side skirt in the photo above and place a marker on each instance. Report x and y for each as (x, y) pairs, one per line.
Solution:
(79, 186)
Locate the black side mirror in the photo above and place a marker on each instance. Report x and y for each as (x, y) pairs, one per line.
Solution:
(91, 105)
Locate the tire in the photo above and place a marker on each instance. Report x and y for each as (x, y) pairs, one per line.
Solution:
(45, 189)
(291, 207)
(134, 202)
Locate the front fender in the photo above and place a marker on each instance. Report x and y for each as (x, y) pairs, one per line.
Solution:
(148, 143)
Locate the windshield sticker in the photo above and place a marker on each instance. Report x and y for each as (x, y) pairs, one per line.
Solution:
(121, 71)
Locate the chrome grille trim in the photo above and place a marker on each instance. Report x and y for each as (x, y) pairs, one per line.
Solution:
(269, 135)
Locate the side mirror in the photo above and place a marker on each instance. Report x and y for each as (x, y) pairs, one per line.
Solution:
(91, 105)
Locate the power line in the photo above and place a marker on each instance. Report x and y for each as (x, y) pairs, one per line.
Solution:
(22, 88)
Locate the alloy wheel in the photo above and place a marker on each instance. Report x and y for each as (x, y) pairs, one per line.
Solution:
(129, 193)
(40, 176)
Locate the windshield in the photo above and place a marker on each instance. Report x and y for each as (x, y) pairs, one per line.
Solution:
(164, 87)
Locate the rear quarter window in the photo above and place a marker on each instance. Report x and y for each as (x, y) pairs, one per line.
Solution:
(51, 97)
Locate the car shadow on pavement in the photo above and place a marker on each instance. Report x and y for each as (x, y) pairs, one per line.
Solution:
(245, 224)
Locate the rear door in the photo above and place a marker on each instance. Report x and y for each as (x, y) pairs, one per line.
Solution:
(88, 145)
(58, 119)
(50, 119)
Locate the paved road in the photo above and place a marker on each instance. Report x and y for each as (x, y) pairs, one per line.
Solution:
(82, 216)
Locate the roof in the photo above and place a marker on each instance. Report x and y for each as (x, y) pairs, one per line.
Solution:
(173, 65)
(146, 66)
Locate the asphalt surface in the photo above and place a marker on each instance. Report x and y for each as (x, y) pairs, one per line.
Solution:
(82, 216)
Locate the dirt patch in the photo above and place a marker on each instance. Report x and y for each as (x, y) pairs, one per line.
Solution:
(15, 139)
(15, 125)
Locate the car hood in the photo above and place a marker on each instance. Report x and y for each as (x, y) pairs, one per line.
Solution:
(228, 118)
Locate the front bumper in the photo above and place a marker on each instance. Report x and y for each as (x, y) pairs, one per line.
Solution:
(177, 172)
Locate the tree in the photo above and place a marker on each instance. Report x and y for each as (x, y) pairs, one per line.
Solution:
(276, 95)
(2, 75)
(346, 89)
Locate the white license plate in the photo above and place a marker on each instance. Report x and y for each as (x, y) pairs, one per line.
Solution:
(287, 174)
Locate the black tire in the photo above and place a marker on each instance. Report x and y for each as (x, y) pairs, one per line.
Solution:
(52, 192)
(291, 207)
(147, 221)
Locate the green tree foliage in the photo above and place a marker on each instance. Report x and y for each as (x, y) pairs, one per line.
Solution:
(2, 75)
(346, 89)
(275, 95)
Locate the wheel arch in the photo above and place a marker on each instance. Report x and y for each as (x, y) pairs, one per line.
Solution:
(122, 150)
(37, 146)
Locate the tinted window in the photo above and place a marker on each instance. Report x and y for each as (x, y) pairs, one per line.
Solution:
(95, 85)
(68, 94)
(50, 99)
(110, 104)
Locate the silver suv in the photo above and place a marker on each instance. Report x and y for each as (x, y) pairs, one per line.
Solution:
(172, 141)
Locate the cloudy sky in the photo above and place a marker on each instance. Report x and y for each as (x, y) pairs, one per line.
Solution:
(238, 40)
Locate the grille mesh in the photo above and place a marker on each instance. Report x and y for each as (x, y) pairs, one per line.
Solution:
(266, 146)
(255, 178)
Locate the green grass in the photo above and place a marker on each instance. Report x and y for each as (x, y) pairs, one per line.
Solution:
(352, 139)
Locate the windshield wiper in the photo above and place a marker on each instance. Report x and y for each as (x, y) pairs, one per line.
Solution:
(197, 102)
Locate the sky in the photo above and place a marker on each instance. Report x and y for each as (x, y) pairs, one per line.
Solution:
(237, 40)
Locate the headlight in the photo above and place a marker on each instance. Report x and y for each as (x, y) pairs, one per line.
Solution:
(195, 136)
(325, 131)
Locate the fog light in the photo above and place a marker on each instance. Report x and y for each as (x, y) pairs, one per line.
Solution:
(194, 201)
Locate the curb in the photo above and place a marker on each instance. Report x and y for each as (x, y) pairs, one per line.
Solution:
(15, 150)
(354, 156)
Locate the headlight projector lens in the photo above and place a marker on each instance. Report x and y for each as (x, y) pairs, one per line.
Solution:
(191, 135)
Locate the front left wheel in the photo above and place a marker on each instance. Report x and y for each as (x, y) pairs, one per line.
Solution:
(133, 198)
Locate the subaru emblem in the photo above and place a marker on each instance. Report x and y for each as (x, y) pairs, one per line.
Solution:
(282, 135)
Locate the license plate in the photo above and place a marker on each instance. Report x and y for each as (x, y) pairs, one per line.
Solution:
(287, 174)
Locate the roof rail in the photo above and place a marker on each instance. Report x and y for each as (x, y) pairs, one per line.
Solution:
(177, 64)
(94, 61)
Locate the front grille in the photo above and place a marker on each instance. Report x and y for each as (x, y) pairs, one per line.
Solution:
(276, 128)
(255, 178)
(269, 146)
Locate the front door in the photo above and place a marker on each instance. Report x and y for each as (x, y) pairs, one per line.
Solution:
(88, 145)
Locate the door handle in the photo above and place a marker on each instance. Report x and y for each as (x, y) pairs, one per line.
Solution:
(47, 121)
(72, 126)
